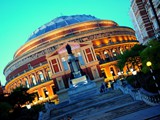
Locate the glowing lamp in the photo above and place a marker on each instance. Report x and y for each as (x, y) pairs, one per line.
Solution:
(148, 63)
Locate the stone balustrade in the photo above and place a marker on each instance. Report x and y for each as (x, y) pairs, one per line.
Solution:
(138, 94)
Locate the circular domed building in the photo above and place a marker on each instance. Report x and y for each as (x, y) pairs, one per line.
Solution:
(41, 63)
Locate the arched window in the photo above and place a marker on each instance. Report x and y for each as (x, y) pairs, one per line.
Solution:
(121, 51)
(41, 76)
(26, 82)
(112, 71)
(99, 58)
(49, 74)
(114, 52)
(107, 59)
(33, 79)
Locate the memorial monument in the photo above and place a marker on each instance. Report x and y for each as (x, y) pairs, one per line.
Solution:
(80, 85)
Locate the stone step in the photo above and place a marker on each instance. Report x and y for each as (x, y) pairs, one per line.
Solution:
(105, 105)
(116, 112)
(86, 102)
(82, 110)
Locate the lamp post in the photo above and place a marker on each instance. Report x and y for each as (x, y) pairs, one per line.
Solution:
(149, 64)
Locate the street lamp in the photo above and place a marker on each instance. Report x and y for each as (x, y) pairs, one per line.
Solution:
(149, 64)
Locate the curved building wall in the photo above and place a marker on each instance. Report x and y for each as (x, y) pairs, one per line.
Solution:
(30, 66)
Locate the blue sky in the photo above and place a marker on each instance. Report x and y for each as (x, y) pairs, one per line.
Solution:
(19, 18)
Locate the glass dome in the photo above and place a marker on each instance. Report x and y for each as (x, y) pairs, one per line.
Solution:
(60, 22)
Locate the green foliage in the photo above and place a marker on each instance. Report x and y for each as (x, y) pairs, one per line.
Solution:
(20, 96)
(151, 53)
(143, 80)
(130, 56)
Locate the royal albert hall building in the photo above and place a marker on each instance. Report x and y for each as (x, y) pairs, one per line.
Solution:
(41, 63)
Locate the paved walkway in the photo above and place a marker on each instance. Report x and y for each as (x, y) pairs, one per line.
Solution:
(147, 114)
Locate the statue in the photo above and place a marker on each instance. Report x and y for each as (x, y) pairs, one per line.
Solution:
(69, 50)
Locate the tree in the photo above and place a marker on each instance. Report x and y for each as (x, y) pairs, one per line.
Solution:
(4, 110)
(20, 96)
(151, 53)
(131, 58)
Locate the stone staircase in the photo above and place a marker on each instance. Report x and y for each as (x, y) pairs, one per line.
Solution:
(106, 106)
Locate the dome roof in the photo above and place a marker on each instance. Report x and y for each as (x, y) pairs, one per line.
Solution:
(61, 22)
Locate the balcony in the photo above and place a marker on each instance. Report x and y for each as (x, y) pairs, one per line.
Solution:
(39, 82)
(110, 59)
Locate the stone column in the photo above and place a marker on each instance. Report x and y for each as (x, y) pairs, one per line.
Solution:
(86, 57)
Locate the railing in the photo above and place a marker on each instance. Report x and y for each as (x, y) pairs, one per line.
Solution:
(39, 82)
(138, 94)
(152, 99)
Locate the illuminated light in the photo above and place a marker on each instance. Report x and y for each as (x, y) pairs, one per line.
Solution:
(105, 52)
(47, 92)
(119, 73)
(97, 43)
(149, 63)
(120, 38)
(125, 38)
(40, 98)
(114, 54)
(63, 59)
(79, 54)
(113, 39)
(131, 69)
(75, 86)
(85, 82)
(134, 72)
(28, 106)
(34, 103)
(105, 41)
(113, 50)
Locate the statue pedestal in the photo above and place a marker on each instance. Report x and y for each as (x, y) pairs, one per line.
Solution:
(63, 95)
(82, 91)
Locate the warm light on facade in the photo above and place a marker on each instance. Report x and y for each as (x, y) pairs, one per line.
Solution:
(43, 60)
